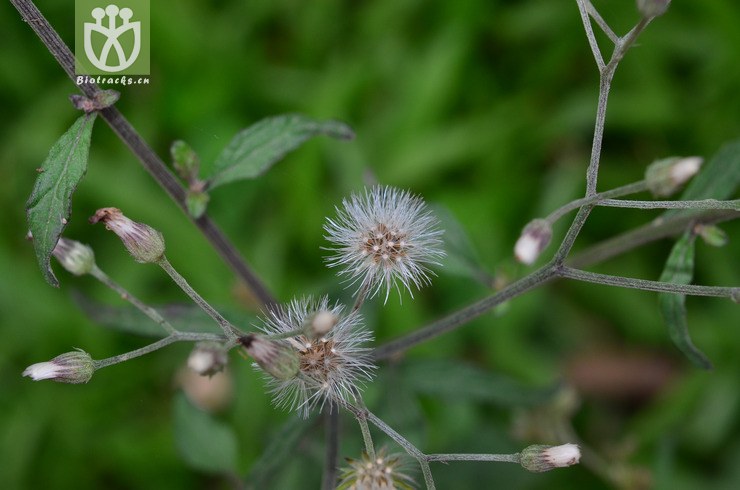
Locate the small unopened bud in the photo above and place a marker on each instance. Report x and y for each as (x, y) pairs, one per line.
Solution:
(273, 356)
(664, 177)
(652, 8)
(208, 358)
(712, 235)
(144, 243)
(72, 367)
(74, 256)
(322, 323)
(539, 458)
(534, 239)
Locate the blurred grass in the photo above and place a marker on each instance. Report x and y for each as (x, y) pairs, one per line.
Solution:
(485, 107)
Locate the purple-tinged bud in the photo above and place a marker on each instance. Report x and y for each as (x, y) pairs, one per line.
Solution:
(539, 458)
(72, 367)
(273, 356)
(74, 256)
(208, 358)
(652, 8)
(144, 243)
(664, 177)
(534, 239)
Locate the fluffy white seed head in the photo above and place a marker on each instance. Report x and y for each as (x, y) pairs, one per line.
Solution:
(330, 367)
(383, 238)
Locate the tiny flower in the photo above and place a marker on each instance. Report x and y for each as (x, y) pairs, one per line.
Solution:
(384, 472)
(664, 177)
(208, 358)
(383, 237)
(74, 256)
(142, 241)
(274, 357)
(321, 323)
(72, 367)
(539, 458)
(652, 8)
(534, 239)
(330, 367)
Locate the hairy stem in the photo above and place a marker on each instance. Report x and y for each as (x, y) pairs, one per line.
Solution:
(231, 332)
(329, 478)
(172, 338)
(148, 159)
(500, 458)
(700, 204)
(624, 190)
(141, 306)
(646, 285)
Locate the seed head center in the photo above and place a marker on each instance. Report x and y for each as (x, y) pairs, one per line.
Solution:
(383, 244)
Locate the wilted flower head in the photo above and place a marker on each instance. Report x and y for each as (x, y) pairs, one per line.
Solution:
(384, 472)
(383, 236)
(74, 256)
(144, 243)
(538, 458)
(72, 367)
(330, 367)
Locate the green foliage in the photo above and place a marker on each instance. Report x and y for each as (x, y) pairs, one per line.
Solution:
(49, 206)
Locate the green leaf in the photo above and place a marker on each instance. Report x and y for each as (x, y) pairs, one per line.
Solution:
(718, 179)
(461, 259)
(281, 445)
(197, 202)
(185, 161)
(679, 269)
(203, 442)
(48, 208)
(463, 381)
(253, 151)
(126, 318)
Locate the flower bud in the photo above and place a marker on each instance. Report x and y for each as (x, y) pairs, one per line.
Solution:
(74, 256)
(652, 8)
(664, 177)
(321, 323)
(534, 239)
(144, 243)
(72, 367)
(538, 458)
(273, 356)
(208, 358)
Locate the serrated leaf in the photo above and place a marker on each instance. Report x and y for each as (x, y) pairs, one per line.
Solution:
(462, 381)
(718, 179)
(126, 318)
(48, 208)
(679, 269)
(255, 149)
(280, 447)
(203, 442)
(461, 259)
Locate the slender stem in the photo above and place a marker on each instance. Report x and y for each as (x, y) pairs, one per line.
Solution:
(329, 479)
(230, 330)
(664, 287)
(141, 306)
(361, 295)
(366, 436)
(172, 338)
(463, 316)
(624, 190)
(148, 159)
(584, 10)
(601, 22)
(700, 204)
(500, 458)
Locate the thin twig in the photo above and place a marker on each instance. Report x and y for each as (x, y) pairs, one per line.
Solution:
(148, 159)
(601, 22)
(329, 479)
(584, 11)
(499, 458)
(646, 285)
(700, 204)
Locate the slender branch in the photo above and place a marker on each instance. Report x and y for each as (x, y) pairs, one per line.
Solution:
(463, 316)
(232, 333)
(624, 190)
(700, 204)
(172, 338)
(646, 285)
(148, 159)
(361, 295)
(584, 10)
(329, 479)
(141, 306)
(500, 458)
(601, 22)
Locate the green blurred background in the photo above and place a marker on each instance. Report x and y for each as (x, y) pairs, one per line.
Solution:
(485, 107)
